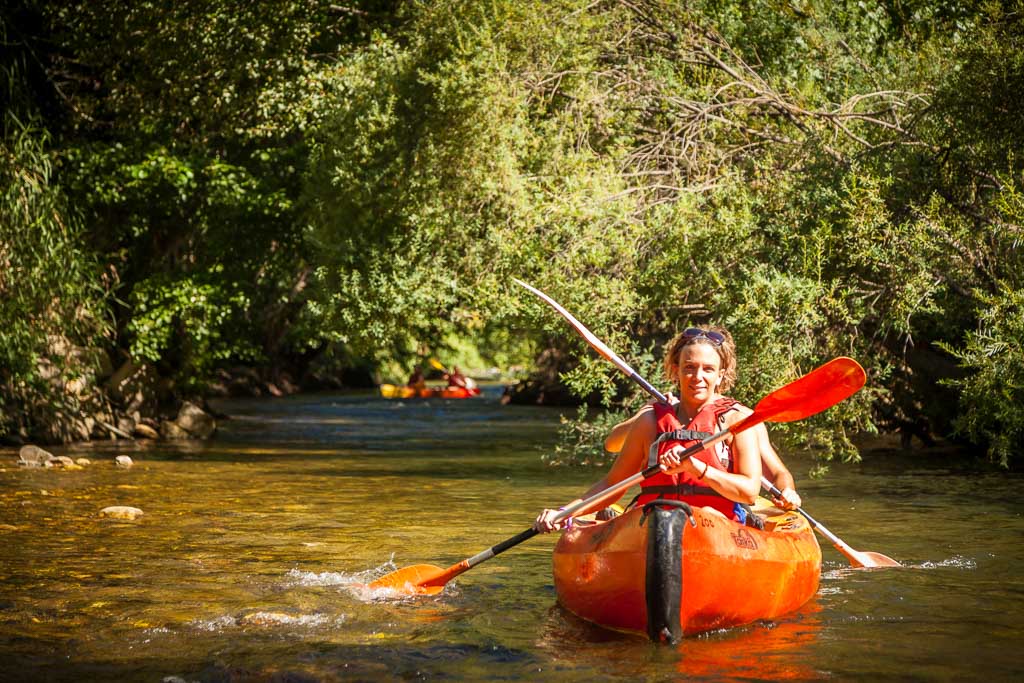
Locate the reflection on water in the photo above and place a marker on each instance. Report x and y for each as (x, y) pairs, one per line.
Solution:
(251, 560)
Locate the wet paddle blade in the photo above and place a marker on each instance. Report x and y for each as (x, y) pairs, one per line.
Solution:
(419, 579)
(869, 560)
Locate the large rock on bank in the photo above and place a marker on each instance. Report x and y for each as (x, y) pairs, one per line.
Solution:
(192, 422)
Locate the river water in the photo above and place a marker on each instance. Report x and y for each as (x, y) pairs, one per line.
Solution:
(248, 560)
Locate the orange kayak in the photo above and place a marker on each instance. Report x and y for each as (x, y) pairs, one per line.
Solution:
(394, 391)
(668, 578)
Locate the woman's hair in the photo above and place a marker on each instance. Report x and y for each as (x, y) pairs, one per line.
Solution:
(726, 352)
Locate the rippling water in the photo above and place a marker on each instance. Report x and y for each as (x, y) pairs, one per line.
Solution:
(249, 560)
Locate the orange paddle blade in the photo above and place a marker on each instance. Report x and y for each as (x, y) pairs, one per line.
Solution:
(419, 579)
(816, 391)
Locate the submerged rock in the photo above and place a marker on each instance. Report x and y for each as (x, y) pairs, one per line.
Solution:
(121, 512)
(33, 456)
(123, 461)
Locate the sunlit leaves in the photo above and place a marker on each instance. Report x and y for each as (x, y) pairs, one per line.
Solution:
(992, 388)
(186, 320)
(50, 298)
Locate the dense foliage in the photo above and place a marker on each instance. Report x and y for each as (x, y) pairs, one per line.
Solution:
(306, 179)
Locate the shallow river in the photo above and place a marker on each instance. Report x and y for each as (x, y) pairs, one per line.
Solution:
(247, 561)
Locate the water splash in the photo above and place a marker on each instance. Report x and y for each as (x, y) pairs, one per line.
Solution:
(282, 619)
(298, 577)
(301, 578)
(955, 562)
(357, 583)
(268, 619)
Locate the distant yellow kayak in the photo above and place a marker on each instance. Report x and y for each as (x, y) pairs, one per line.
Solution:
(395, 391)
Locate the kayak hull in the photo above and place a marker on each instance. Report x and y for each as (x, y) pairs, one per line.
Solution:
(730, 574)
(394, 391)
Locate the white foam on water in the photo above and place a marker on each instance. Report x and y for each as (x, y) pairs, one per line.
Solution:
(298, 577)
(301, 578)
(849, 570)
(268, 619)
(216, 624)
(357, 583)
(955, 562)
(282, 619)
(365, 593)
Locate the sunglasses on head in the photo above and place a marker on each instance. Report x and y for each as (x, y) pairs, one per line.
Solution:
(716, 338)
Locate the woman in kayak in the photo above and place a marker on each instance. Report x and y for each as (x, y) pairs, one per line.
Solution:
(702, 363)
(771, 464)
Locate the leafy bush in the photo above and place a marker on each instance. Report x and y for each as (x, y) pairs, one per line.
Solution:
(50, 299)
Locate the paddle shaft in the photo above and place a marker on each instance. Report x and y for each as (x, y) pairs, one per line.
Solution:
(858, 558)
(596, 343)
(613, 491)
(815, 524)
(499, 548)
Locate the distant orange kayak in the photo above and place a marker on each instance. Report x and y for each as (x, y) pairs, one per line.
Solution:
(666, 578)
(394, 391)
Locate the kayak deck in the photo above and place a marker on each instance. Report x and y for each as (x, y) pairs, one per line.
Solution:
(730, 574)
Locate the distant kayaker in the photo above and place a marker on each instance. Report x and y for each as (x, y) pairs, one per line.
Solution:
(771, 464)
(416, 379)
(457, 379)
(701, 361)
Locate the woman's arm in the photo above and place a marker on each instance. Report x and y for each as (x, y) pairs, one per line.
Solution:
(744, 484)
(616, 439)
(631, 459)
(777, 472)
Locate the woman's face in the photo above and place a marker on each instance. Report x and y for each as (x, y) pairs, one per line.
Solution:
(700, 372)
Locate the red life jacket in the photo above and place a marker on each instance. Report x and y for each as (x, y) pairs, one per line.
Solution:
(683, 486)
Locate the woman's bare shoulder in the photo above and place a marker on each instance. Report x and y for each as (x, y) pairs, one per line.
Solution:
(644, 429)
(737, 413)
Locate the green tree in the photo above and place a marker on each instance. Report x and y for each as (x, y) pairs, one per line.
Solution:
(51, 304)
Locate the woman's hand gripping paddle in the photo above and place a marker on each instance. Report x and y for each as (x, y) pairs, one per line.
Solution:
(844, 372)
(812, 393)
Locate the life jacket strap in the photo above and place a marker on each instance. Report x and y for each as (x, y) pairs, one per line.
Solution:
(675, 435)
(679, 490)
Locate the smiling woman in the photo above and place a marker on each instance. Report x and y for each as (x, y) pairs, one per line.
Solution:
(702, 364)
